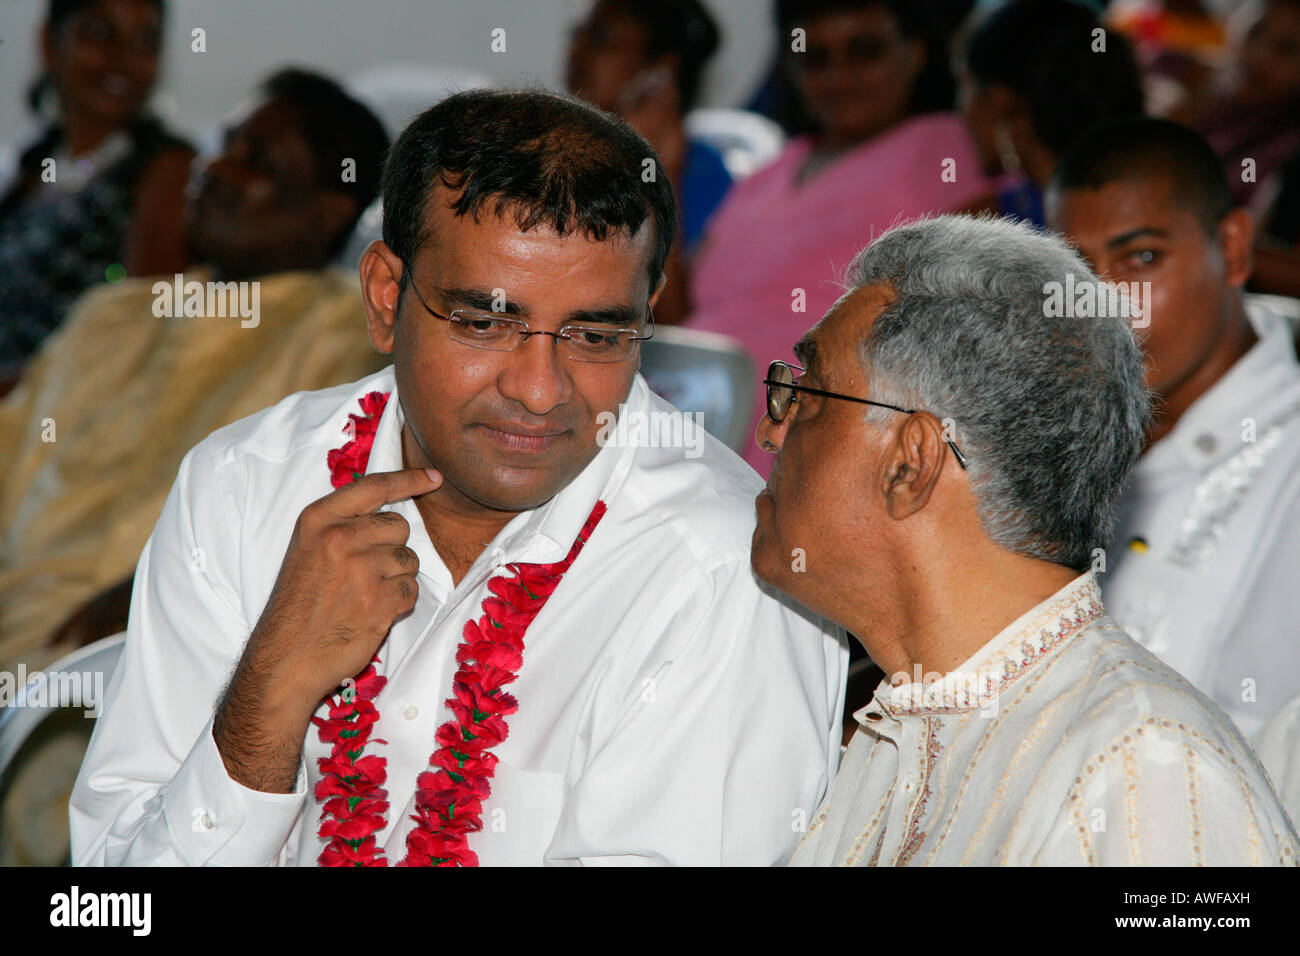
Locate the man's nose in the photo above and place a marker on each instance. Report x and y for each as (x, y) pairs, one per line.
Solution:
(771, 435)
(536, 376)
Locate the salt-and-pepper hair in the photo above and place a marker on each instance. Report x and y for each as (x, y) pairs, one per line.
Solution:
(1050, 412)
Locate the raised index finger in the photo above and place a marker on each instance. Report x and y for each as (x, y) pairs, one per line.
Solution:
(371, 492)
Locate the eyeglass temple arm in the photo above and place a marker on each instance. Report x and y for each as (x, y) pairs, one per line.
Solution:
(961, 459)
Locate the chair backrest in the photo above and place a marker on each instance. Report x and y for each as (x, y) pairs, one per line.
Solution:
(20, 719)
(705, 373)
(746, 141)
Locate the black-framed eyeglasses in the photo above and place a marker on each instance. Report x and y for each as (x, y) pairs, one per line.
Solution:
(503, 333)
(781, 389)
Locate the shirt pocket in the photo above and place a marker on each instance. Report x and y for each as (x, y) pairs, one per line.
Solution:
(520, 816)
(526, 788)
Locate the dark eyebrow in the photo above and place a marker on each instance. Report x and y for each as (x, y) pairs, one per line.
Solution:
(623, 316)
(1132, 234)
(805, 350)
(478, 300)
(481, 300)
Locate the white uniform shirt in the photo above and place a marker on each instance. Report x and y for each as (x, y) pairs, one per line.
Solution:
(670, 710)
(1059, 742)
(1217, 503)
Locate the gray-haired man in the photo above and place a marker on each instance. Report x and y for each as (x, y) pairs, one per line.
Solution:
(946, 466)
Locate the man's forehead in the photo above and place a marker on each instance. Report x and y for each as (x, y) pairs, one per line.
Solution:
(477, 261)
(504, 223)
(834, 339)
(1119, 206)
(266, 114)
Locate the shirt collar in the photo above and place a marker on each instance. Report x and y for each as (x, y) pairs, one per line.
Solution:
(1021, 647)
(1209, 432)
(541, 535)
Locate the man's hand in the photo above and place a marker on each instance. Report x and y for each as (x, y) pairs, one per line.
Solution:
(346, 576)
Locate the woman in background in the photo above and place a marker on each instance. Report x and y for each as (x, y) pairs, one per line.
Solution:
(644, 60)
(98, 194)
(874, 78)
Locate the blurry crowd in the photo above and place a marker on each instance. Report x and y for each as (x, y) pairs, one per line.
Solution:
(1161, 136)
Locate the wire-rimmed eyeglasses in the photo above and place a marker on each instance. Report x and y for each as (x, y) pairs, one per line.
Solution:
(781, 389)
(503, 333)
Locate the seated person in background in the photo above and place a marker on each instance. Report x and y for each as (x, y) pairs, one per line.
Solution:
(1254, 112)
(93, 434)
(876, 80)
(1023, 726)
(644, 60)
(110, 205)
(1203, 564)
(1032, 83)
(662, 706)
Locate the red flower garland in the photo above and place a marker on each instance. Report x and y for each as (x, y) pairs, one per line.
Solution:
(449, 797)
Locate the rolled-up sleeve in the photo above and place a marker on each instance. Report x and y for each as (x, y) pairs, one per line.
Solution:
(153, 789)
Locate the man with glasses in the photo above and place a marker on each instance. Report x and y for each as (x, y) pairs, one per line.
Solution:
(499, 640)
(951, 525)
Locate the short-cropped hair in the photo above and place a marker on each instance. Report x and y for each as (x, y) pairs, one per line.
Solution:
(1050, 412)
(541, 157)
(1145, 149)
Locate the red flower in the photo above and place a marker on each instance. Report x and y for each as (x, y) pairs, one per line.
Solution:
(491, 654)
(350, 461)
(372, 404)
(449, 798)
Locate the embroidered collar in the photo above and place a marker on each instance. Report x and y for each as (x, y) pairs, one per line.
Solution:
(1025, 644)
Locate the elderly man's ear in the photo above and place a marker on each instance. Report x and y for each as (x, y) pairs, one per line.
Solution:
(914, 457)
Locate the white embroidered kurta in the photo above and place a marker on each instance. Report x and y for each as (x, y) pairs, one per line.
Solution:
(1060, 742)
(1205, 559)
(670, 709)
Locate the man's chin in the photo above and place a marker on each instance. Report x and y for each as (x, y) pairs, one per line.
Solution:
(510, 489)
(503, 496)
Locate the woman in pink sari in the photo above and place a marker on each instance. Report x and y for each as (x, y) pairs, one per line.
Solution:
(876, 83)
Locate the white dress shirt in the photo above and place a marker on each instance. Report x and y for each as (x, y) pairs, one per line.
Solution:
(670, 709)
(1205, 559)
(1059, 742)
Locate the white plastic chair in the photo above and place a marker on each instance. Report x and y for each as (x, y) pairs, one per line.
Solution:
(746, 141)
(19, 721)
(705, 373)
(42, 745)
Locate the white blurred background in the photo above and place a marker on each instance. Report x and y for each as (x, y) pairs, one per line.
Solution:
(248, 39)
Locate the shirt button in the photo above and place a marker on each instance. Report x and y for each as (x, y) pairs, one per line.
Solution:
(872, 715)
(1206, 443)
(410, 712)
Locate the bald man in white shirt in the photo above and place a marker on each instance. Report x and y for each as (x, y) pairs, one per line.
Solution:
(949, 461)
(1202, 566)
(512, 634)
